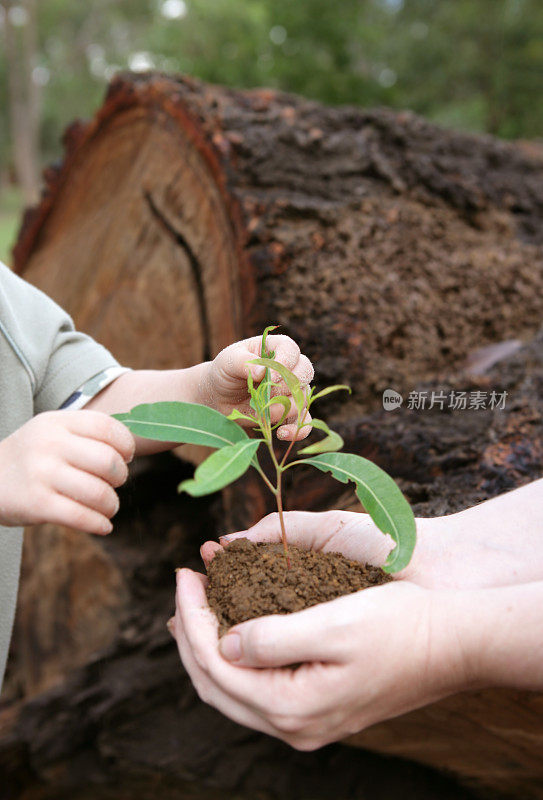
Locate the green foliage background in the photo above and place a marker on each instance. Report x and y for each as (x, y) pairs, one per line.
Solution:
(474, 64)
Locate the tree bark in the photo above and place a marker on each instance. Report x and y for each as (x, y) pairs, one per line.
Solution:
(183, 217)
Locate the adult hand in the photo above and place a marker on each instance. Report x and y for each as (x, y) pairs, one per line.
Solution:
(362, 654)
(366, 657)
(62, 467)
(496, 543)
(375, 654)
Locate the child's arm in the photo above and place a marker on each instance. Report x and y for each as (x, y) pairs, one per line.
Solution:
(221, 384)
(62, 466)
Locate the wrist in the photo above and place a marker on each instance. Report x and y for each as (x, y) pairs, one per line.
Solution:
(199, 379)
(189, 385)
(494, 637)
(453, 643)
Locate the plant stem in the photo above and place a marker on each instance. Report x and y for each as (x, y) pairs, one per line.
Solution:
(278, 496)
(279, 500)
(299, 426)
(282, 464)
(266, 429)
(264, 477)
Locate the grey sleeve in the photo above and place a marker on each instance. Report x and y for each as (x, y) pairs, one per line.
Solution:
(11, 546)
(57, 358)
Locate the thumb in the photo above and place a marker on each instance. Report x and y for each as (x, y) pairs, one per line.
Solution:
(239, 364)
(281, 640)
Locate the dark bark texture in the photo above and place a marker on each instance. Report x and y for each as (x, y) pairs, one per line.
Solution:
(183, 217)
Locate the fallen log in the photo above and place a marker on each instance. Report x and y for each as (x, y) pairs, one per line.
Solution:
(185, 216)
(389, 247)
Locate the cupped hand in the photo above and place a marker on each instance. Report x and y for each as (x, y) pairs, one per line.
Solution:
(366, 657)
(379, 653)
(226, 383)
(63, 467)
(472, 549)
(362, 656)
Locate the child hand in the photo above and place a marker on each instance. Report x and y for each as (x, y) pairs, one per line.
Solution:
(61, 467)
(226, 384)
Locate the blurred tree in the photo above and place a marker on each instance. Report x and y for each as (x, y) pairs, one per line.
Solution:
(23, 106)
(474, 64)
(477, 64)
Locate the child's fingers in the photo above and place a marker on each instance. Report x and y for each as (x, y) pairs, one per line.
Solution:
(287, 432)
(103, 428)
(286, 350)
(303, 370)
(277, 411)
(235, 361)
(86, 489)
(97, 458)
(61, 510)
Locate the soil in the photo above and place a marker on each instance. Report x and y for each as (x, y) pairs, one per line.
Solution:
(248, 580)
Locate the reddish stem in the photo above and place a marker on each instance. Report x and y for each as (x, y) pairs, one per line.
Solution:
(288, 451)
(279, 500)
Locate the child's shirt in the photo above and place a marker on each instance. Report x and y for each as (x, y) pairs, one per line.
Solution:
(45, 364)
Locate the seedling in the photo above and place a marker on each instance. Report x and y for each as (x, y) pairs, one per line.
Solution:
(235, 452)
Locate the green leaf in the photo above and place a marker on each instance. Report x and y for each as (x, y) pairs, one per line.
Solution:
(331, 442)
(381, 498)
(280, 400)
(329, 389)
(221, 468)
(252, 393)
(264, 390)
(187, 423)
(235, 414)
(263, 351)
(267, 381)
(290, 379)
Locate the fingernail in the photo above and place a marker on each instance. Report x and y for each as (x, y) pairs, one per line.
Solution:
(225, 539)
(230, 646)
(170, 625)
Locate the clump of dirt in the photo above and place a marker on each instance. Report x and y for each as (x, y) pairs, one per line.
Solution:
(248, 580)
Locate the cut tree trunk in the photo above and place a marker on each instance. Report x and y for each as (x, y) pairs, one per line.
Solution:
(186, 216)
